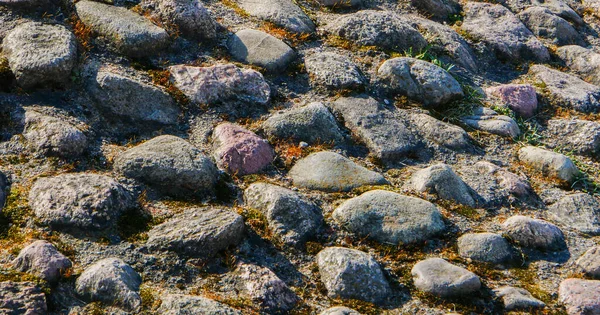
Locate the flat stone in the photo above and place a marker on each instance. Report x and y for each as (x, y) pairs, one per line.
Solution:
(550, 164)
(518, 299)
(266, 289)
(191, 18)
(578, 211)
(40, 55)
(42, 259)
(283, 13)
(130, 33)
(521, 98)
(54, 136)
(589, 262)
(440, 179)
(333, 71)
(438, 9)
(580, 296)
(352, 274)
(339, 310)
(181, 304)
(558, 7)
(22, 298)
(443, 279)
(240, 151)
(543, 23)
(260, 49)
(575, 135)
(329, 171)
(485, 247)
(534, 233)
(584, 62)
(488, 120)
(390, 218)
(444, 134)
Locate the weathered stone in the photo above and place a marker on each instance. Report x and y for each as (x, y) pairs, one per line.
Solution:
(488, 120)
(558, 7)
(543, 23)
(485, 247)
(333, 71)
(577, 136)
(584, 62)
(42, 259)
(198, 232)
(329, 171)
(180, 304)
(26, 3)
(40, 54)
(261, 49)
(521, 98)
(438, 9)
(440, 278)
(440, 179)
(339, 310)
(129, 32)
(445, 134)
(171, 165)
(590, 262)
(581, 297)
(22, 298)
(352, 274)
(534, 233)
(549, 163)
(390, 218)
(578, 211)
(284, 13)
(51, 135)
(240, 151)
(82, 201)
(518, 299)
(340, 3)
(266, 289)
(191, 18)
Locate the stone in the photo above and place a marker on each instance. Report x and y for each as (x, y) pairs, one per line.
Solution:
(515, 299)
(352, 274)
(383, 29)
(485, 247)
(550, 164)
(190, 18)
(121, 96)
(333, 71)
(580, 296)
(383, 131)
(43, 260)
(419, 80)
(521, 98)
(589, 262)
(533, 233)
(437, 9)
(390, 218)
(331, 172)
(198, 232)
(181, 304)
(543, 23)
(566, 90)
(260, 49)
(22, 298)
(171, 165)
(130, 33)
(312, 123)
(445, 134)
(266, 289)
(40, 55)
(502, 32)
(290, 215)
(283, 13)
(19, 4)
(82, 201)
(438, 277)
(240, 151)
(440, 179)
(54, 136)
(221, 84)
(339, 310)
(584, 62)
(340, 3)
(578, 211)
(557, 7)
(110, 281)
(488, 120)
(575, 135)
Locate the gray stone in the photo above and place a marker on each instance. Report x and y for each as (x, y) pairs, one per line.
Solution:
(291, 216)
(566, 90)
(130, 33)
(191, 18)
(503, 32)
(485, 247)
(339, 310)
(584, 62)
(284, 13)
(333, 71)
(390, 218)
(549, 163)
(198, 232)
(329, 171)
(260, 49)
(589, 262)
(543, 23)
(440, 179)
(221, 84)
(312, 123)
(42, 259)
(383, 131)
(488, 120)
(580, 297)
(577, 136)
(518, 299)
(578, 211)
(25, 3)
(352, 274)
(443, 279)
(40, 54)
(558, 7)
(533, 233)
(51, 135)
(438, 9)
(266, 289)
(419, 80)
(82, 201)
(17, 298)
(445, 134)
(111, 281)
(383, 29)
(171, 165)
(181, 304)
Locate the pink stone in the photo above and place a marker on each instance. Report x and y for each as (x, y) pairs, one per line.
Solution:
(239, 151)
(580, 296)
(519, 97)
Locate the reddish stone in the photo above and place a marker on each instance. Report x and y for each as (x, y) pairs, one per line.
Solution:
(239, 151)
(519, 97)
(580, 296)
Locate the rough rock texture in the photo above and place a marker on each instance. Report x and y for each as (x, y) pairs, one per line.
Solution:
(268, 290)
(111, 281)
(198, 232)
(575, 135)
(240, 151)
(339, 310)
(282, 13)
(589, 262)
(40, 54)
(521, 98)
(171, 165)
(488, 120)
(351, 274)
(42, 259)
(191, 18)
(445, 134)
(440, 179)
(82, 201)
(584, 62)
(551, 164)
(486, 247)
(390, 218)
(340, 3)
(181, 304)
(261, 49)
(438, 9)
(533, 233)
(518, 299)
(21, 298)
(580, 296)
(440, 278)
(558, 7)
(579, 211)
(543, 23)
(333, 71)
(54, 136)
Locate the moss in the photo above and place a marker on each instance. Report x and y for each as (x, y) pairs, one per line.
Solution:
(163, 78)
(235, 7)
(6, 75)
(16, 276)
(149, 300)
